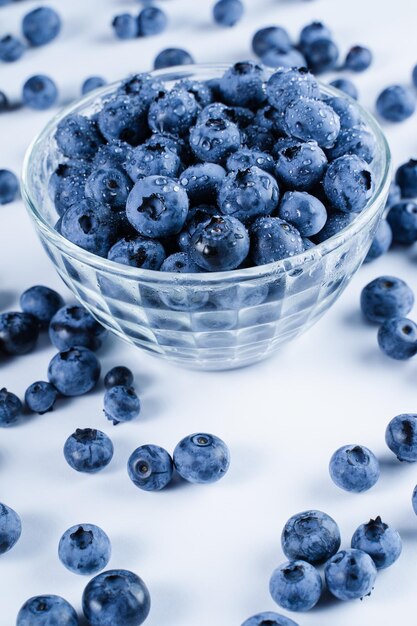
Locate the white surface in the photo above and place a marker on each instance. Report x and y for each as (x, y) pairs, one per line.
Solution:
(206, 553)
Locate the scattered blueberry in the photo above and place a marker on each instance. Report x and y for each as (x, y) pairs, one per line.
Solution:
(91, 83)
(394, 195)
(73, 326)
(47, 611)
(269, 619)
(171, 57)
(41, 26)
(74, 372)
(9, 186)
(4, 102)
(40, 397)
(346, 85)
(381, 242)
(354, 468)
(358, 59)
(273, 239)
(221, 244)
(321, 55)
(41, 302)
(402, 217)
(11, 49)
(18, 332)
(10, 528)
(88, 450)
(397, 338)
(125, 26)
(386, 297)
(151, 21)
(406, 179)
(119, 375)
(228, 12)
(350, 574)
(270, 38)
(84, 549)
(401, 437)
(39, 92)
(150, 468)
(296, 586)
(396, 103)
(201, 458)
(293, 58)
(348, 183)
(310, 536)
(10, 408)
(304, 211)
(313, 32)
(121, 404)
(382, 543)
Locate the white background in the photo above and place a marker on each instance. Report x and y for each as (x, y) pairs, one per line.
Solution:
(206, 553)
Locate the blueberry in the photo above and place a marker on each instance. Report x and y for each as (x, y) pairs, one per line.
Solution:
(346, 85)
(401, 437)
(40, 397)
(296, 586)
(151, 21)
(196, 216)
(243, 84)
(397, 338)
(10, 409)
(91, 83)
(310, 536)
(202, 181)
(173, 112)
(41, 26)
(348, 114)
(18, 332)
(394, 195)
(124, 117)
(4, 102)
(74, 372)
(77, 137)
(382, 543)
(269, 619)
(348, 183)
(273, 239)
(150, 468)
(313, 32)
(9, 186)
(116, 598)
(171, 57)
(112, 154)
(414, 76)
(228, 12)
(396, 103)
(151, 159)
(293, 58)
(39, 92)
(10, 528)
(84, 549)
(406, 179)
(402, 218)
(69, 190)
(303, 211)
(11, 49)
(381, 242)
(248, 193)
(245, 158)
(357, 140)
(125, 26)
(271, 38)
(354, 468)
(386, 297)
(241, 116)
(215, 139)
(41, 302)
(121, 404)
(108, 186)
(201, 91)
(220, 244)
(309, 119)
(143, 85)
(180, 263)
(88, 450)
(74, 326)
(301, 165)
(119, 375)
(157, 206)
(358, 59)
(321, 55)
(140, 252)
(201, 458)
(350, 574)
(91, 226)
(47, 611)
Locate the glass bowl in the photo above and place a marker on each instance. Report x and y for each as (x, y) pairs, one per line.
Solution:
(206, 321)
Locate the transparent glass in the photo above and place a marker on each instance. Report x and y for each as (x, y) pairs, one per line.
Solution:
(206, 321)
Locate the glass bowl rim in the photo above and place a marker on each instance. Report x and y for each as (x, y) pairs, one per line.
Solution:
(277, 267)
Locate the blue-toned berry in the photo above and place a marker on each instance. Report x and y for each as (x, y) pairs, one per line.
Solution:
(311, 536)
(74, 372)
(350, 574)
(354, 468)
(41, 26)
(88, 450)
(40, 397)
(151, 159)
(69, 190)
(269, 619)
(41, 302)
(296, 586)
(11, 409)
(202, 182)
(401, 437)
(386, 297)
(119, 375)
(18, 332)
(39, 92)
(397, 338)
(173, 112)
(91, 83)
(357, 140)
(11, 49)
(157, 206)
(336, 222)
(196, 216)
(215, 139)
(4, 102)
(243, 85)
(77, 137)
(293, 58)
(396, 103)
(124, 118)
(358, 59)
(313, 32)
(381, 242)
(171, 57)
(246, 158)
(74, 326)
(125, 26)
(140, 252)
(47, 611)
(9, 186)
(270, 38)
(151, 21)
(402, 217)
(180, 263)
(309, 119)
(300, 165)
(91, 226)
(303, 211)
(143, 85)
(121, 404)
(84, 549)
(241, 116)
(348, 184)
(321, 55)
(406, 179)
(112, 154)
(248, 193)
(346, 85)
(273, 239)
(10, 528)
(228, 12)
(382, 543)
(220, 244)
(108, 186)
(348, 113)
(116, 598)
(201, 458)
(201, 91)
(150, 468)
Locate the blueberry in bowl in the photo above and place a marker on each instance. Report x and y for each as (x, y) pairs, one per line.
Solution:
(199, 213)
